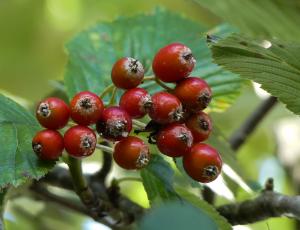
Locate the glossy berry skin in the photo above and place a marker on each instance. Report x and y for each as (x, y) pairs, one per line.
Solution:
(53, 113)
(136, 102)
(173, 62)
(86, 108)
(203, 163)
(48, 144)
(114, 124)
(201, 126)
(80, 141)
(174, 140)
(127, 73)
(194, 93)
(131, 153)
(166, 108)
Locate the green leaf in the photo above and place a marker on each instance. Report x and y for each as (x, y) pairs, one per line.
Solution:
(93, 52)
(17, 160)
(205, 207)
(267, 18)
(177, 216)
(158, 180)
(273, 64)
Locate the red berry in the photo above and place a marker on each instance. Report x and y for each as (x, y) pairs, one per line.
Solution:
(173, 62)
(80, 141)
(194, 93)
(127, 73)
(53, 113)
(48, 144)
(136, 102)
(131, 153)
(86, 108)
(174, 140)
(166, 108)
(203, 163)
(114, 124)
(200, 124)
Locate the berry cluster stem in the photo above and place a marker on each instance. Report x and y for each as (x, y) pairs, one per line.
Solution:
(107, 90)
(138, 123)
(76, 173)
(113, 96)
(159, 82)
(105, 148)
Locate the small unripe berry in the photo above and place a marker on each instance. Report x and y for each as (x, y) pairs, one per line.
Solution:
(203, 163)
(86, 108)
(114, 124)
(131, 153)
(174, 140)
(136, 102)
(127, 73)
(201, 126)
(48, 144)
(53, 113)
(166, 108)
(194, 93)
(173, 62)
(80, 141)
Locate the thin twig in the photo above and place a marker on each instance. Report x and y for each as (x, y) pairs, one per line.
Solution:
(240, 136)
(107, 90)
(104, 148)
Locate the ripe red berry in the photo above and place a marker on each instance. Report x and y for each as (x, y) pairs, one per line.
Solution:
(174, 140)
(114, 124)
(200, 124)
(203, 163)
(80, 141)
(173, 62)
(131, 153)
(194, 93)
(48, 144)
(86, 108)
(53, 113)
(166, 108)
(136, 102)
(127, 73)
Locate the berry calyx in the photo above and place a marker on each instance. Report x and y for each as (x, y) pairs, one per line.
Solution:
(127, 73)
(136, 102)
(48, 144)
(80, 141)
(114, 124)
(194, 93)
(53, 113)
(173, 62)
(174, 140)
(200, 125)
(86, 108)
(131, 153)
(203, 163)
(166, 108)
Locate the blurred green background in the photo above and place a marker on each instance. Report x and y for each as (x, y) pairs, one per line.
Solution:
(32, 38)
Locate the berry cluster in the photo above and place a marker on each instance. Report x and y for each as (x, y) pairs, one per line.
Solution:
(178, 125)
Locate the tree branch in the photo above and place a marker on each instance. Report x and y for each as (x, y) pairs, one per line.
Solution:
(268, 204)
(238, 138)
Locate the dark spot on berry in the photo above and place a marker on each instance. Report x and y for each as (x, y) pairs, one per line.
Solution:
(177, 114)
(86, 103)
(133, 65)
(87, 142)
(210, 171)
(142, 160)
(44, 110)
(203, 124)
(188, 56)
(37, 147)
(204, 99)
(184, 137)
